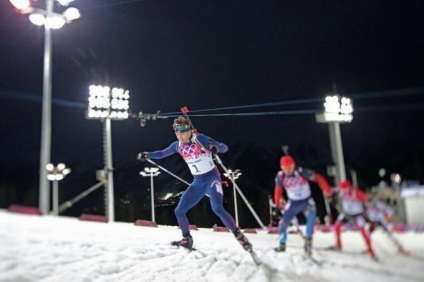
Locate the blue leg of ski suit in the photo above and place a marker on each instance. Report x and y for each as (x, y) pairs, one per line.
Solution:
(208, 183)
(306, 206)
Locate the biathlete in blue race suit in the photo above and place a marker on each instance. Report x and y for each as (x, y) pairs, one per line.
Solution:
(295, 182)
(197, 150)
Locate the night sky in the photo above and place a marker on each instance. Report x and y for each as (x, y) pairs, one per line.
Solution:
(214, 55)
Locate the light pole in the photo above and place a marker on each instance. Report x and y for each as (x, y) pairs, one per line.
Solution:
(337, 110)
(152, 172)
(55, 174)
(107, 104)
(50, 20)
(233, 175)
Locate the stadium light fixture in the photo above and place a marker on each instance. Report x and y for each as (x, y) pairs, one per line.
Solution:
(106, 104)
(47, 17)
(233, 175)
(55, 174)
(336, 110)
(151, 172)
(50, 20)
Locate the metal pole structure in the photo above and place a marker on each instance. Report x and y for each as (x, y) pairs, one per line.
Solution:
(55, 197)
(44, 196)
(152, 196)
(152, 172)
(250, 207)
(337, 151)
(337, 110)
(255, 215)
(233, 175)
(50, 20)
(110, 209)
(235, 200)
(55, 174)
(107, 104)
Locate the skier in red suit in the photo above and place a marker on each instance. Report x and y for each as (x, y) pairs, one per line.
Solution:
(352, 202)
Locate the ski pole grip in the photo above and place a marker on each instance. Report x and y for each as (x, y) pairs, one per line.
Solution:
(184, 110)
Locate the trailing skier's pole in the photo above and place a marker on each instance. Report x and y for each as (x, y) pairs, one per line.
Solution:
(167, 171)
(354, 178)
(218, 159)
(328, 210)
(285, 149)
(395, 241)
(271, 203)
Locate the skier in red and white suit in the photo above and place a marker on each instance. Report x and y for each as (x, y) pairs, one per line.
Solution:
(379, 214)
(352, 201)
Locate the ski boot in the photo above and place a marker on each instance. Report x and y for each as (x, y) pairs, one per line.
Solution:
(308, 247)
(243, 240)
(336, 248)
(186, 242)
(403, 251)
(281, 247)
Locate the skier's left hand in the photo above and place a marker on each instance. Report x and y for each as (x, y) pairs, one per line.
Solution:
(212, 148)
(143, 156)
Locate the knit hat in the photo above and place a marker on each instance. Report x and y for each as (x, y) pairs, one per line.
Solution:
(345, 184)
(286, 161)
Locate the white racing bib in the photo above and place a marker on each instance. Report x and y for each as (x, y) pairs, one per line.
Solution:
(200, 165)
(296, 187)
(199, 162)
(351, 205)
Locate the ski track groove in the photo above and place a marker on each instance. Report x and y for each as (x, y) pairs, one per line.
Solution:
(181, 260)
(371, 267)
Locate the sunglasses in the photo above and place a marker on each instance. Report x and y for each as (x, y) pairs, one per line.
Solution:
(180, 127)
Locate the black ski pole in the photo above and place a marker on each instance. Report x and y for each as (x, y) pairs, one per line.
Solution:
(218, 159)
(184, 111)
(167, 171)
(170, 173)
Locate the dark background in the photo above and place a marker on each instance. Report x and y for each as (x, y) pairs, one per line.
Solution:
(210, 55)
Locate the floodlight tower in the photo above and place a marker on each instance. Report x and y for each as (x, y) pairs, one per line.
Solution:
(50, 20)
(108, 104)
(233, 175)
(151, 172)
(55, 174)
(337, 110)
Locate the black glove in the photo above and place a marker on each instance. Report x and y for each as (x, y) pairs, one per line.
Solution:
(143, 156)
(212, 148)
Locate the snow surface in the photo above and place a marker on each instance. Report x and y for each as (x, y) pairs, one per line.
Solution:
(47, 248)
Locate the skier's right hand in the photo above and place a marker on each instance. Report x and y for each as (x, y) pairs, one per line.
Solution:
(143, 156)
